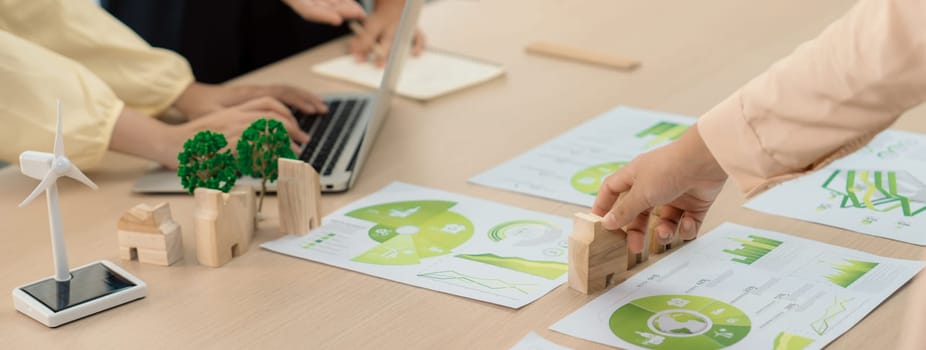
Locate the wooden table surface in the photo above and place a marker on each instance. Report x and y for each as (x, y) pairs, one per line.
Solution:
(694, 53)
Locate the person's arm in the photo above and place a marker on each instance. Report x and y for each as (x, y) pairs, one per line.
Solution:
(144, 78)
(379, 29)
(33, 78)
(333, 12)
(825, 100)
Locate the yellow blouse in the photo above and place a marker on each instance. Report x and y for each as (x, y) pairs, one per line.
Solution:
(74, 51)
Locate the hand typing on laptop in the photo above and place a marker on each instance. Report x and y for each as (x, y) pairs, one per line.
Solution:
(202, 99)
(140, 135)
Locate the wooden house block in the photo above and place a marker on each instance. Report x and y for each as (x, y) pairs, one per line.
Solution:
(224, 224)
(596, 255)
(150, 235)
(299, 195)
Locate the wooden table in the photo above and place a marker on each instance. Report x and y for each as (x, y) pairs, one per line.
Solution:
(694, 53)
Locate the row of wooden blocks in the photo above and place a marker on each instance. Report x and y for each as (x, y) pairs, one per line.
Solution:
(224, 223)
(598, 256)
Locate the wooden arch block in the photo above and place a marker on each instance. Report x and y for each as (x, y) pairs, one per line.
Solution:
(596, 255)
(299, 194)
(150, 235)
(224, 223)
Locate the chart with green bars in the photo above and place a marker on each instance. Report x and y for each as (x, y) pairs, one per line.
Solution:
(877, 190)
(572, 166)
(662, 132)
(768, 290)
(677, 321)
(848, 271)
(752, 248)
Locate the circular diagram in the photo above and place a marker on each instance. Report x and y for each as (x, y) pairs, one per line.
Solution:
(679, 322)
(525, 233)
(588, 180)
(412, 230)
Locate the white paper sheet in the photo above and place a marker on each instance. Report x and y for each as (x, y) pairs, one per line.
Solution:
(533, 341)
(442, 241)
(742, 288)
(427, 76)
(570, 167)
(878, 190)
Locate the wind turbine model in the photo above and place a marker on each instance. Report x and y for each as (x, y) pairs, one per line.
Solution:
(68, 295)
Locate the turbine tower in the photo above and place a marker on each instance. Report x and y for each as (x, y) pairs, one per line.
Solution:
(70, 294)
(48, 167)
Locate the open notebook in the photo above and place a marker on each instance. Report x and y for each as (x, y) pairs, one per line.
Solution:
(432, 74)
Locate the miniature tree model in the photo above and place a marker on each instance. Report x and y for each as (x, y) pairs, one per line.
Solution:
(261, 145)
(204, 164)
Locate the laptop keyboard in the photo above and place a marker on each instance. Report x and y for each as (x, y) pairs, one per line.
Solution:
(329, 132)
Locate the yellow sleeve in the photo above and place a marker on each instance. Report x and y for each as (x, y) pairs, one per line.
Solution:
(33, 78)
(145, 78)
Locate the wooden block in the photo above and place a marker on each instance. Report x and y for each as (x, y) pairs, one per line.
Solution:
(596, 255)
(150, 235)
(224, 224)
(582, 55)
(299, 195)
(248, 205)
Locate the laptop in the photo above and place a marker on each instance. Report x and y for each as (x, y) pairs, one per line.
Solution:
(340, 139)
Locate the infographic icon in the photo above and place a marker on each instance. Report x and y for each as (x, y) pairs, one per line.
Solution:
(589, 180)
(678, 321)
(409, 231)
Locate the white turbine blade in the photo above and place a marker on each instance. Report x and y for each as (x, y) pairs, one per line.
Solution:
(59, 135)
(49, 179)
(76, 174)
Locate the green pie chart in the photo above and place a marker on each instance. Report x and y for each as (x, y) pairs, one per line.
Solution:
(412, 230)
(679, 322)
(588, 180)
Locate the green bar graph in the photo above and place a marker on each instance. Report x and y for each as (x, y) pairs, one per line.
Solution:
(663, 131)
(752, 249)
(850, 271)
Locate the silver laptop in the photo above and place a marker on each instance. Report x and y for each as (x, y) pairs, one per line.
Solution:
(342, 138)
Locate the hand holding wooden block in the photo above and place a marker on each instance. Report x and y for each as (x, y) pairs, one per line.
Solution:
(596, 255)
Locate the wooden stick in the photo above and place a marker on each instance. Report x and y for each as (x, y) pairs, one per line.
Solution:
(582, 55)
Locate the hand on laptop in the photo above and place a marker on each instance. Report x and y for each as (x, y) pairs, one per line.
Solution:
(141, 135)
(333, 12)
(379, 29)
(199, 99)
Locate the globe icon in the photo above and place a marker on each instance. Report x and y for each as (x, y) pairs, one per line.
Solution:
(680, 323)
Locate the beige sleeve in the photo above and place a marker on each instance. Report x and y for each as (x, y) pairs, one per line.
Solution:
(145, 78)
(33, 78)
(826, 99)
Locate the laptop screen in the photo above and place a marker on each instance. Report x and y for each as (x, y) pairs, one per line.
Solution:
(401, 45)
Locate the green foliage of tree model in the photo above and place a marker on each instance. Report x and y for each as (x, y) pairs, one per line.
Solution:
(259, 148)
(204, 164)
